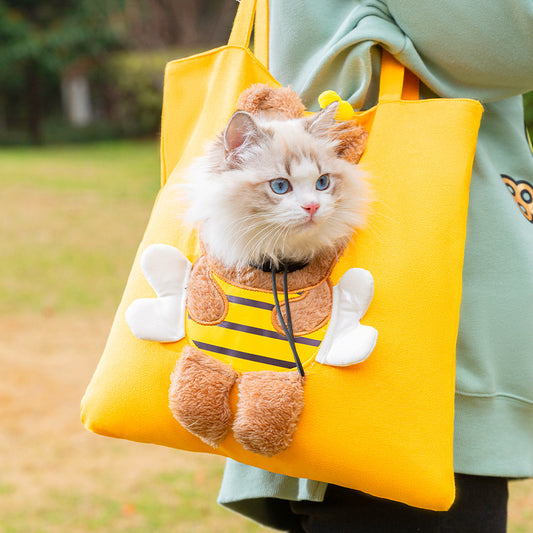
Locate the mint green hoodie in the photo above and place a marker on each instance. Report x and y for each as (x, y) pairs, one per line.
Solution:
(473, 49)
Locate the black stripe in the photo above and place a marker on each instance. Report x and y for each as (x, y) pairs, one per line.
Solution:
(267, 333)
(250, 303)
(243, 355)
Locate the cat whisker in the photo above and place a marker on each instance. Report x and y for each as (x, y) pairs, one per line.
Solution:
(258, 241)
(279, 241)
(379, 236)
(381, 212)
(284, 240)
(269, 242)
(242, 226)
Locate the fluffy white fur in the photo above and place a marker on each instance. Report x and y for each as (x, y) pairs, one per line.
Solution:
(242, 221)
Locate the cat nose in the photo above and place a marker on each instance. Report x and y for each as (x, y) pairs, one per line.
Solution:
(311, 208)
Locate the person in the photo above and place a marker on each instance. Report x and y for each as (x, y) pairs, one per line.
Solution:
(474, 49)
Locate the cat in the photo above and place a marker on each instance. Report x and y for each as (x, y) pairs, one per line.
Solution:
(276, 199)
(276, 191)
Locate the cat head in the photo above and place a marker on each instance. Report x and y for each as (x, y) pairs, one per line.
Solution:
(275, 190)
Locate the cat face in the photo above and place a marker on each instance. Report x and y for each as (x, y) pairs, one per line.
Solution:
(275, 191)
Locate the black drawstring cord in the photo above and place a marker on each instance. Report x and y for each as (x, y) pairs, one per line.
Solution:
(287, 327)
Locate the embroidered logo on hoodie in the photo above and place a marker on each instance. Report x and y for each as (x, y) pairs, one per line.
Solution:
(522, 192)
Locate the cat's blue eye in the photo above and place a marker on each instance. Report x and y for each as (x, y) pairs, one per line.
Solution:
(280, 185)
(322, 183)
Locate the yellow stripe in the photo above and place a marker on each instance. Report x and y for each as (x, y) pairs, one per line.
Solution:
(242, 344)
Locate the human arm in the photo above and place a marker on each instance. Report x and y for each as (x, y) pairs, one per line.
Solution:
(485, 48)
(473, 49)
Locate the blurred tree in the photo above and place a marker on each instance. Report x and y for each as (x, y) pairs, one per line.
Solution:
(39, 39)
(54, 48)
(166, 23)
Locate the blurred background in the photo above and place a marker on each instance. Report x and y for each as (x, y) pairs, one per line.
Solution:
(89, 69)
(82, 70)
(80, 104)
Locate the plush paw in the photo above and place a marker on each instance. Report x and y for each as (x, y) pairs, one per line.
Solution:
(269, 408)
(162, 318)
(199, 395)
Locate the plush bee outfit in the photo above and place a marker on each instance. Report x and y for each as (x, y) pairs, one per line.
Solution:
(244, 327)
(235, 335)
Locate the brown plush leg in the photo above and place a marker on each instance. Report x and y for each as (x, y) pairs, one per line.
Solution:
(270, 405)
(199, 395)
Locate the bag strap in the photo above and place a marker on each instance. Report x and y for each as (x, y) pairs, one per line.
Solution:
(261, 32)
(396, 82)
(247, 11)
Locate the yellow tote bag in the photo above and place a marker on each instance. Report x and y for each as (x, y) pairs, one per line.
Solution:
(384, 426)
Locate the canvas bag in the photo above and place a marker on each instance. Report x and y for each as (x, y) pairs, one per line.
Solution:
(384, 426)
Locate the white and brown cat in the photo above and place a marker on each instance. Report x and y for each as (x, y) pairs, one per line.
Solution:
(277, 191)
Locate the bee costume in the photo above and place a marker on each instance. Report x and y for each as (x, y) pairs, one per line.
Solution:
(236, 335)
(237, 330)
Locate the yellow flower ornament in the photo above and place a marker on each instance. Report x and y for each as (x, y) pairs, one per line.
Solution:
(345, 110)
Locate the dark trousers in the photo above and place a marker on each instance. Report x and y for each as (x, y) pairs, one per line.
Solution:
(480, 507)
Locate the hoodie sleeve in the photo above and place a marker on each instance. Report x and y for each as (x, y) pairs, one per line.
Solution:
(458, 48)
(482, 48)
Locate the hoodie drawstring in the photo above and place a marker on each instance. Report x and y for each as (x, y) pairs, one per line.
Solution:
(287, 326)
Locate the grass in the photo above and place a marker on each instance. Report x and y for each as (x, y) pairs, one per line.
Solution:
(71, 222)
(111, 170)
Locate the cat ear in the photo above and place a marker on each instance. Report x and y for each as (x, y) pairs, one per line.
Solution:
(321, 122)
(241, 130)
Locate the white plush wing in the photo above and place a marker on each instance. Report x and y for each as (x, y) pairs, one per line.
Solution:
(347, 341)
(356, 289)
(162, 318)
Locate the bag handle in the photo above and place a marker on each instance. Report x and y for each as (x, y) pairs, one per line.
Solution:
(396, 82)
(261, 31)
(242, 27)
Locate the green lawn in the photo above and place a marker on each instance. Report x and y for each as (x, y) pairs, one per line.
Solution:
(72, 218)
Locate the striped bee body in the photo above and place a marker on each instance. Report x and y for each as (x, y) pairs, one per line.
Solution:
(247, 338)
